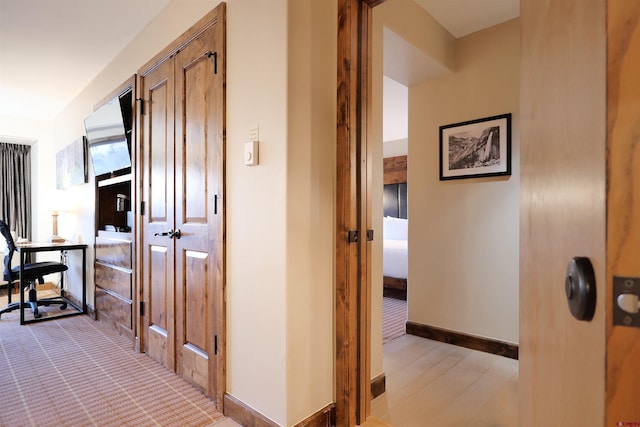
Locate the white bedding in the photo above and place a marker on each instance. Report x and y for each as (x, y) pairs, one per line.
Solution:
(394, 247)
(394, 258)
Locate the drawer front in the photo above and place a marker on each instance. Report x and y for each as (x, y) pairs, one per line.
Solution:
(114, 252)
(116, 309)
(114, 279)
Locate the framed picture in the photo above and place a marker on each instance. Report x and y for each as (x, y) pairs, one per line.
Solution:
(71, 164)
(477, 148)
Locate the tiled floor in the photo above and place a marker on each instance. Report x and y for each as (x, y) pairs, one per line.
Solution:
(429, 383)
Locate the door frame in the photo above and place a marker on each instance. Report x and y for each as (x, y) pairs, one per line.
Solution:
(352, 305)
(623, 230)
(353, 213)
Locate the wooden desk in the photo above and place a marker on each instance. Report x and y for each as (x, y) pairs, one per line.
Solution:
(29, 248)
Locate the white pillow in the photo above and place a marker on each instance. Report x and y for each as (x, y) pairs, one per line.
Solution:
(395, 228)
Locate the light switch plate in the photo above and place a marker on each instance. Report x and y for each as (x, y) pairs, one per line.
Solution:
(251, 153)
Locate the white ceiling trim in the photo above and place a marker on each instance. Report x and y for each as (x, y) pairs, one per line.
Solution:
(8, 139)
(464, 17)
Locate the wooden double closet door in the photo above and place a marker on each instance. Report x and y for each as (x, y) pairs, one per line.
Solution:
(182, 227)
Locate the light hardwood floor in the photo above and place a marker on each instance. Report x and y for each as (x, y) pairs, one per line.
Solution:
(429, 383)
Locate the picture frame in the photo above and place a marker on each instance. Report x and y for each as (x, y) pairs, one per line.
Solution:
(476, 148)
(71, 164)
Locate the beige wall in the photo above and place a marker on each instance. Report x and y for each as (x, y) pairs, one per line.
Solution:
(311, 155)
(280, 353)
(256, 206)
(414, 24)
(409, 21)
(463, 234)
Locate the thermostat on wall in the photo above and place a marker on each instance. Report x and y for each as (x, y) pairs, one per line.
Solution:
(251, 153)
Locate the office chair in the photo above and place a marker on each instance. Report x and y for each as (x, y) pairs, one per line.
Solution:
(32, 272)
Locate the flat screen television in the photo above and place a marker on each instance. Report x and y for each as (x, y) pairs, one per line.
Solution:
(107, 139)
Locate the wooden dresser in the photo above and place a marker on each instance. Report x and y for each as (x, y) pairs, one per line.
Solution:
(114, 280)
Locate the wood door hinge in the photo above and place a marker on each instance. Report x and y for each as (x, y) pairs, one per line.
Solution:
(215, 344)
(353, 236)
(142, 207)
(141, 308)
(141, 103)
(369, 235)
(215, 60)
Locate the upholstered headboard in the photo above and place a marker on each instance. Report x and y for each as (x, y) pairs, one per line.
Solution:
(394, 197)
(394, 200)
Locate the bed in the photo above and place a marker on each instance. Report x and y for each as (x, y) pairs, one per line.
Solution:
(395, 264)
(395, 238)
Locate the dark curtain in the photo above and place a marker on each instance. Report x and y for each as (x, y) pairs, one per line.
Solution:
(15, 187)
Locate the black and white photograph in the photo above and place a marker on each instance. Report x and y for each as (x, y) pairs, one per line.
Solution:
(476, 148)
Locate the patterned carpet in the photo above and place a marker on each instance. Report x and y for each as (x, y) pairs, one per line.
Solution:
(394, 319)
(78, 372)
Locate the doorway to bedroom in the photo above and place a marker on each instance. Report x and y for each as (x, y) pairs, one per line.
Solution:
(395, 224)
(463, 237)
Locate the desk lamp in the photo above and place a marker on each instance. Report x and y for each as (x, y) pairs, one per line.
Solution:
(55, 238)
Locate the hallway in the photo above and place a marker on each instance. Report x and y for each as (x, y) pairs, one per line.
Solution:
(429, 383)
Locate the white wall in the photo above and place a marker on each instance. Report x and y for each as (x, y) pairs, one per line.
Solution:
(464, 234)
(280, 348)
(311, 155)
(399, 147)
(395, 110)
(256, 202)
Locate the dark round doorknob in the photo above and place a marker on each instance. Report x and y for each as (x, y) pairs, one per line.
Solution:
(580, 288)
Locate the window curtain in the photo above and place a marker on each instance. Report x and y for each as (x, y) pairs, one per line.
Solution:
(15, 191)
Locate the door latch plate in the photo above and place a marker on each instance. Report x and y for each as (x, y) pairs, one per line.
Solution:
(625, 285)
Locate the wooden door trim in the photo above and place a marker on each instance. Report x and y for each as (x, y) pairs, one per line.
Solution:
(353, 213)
(216, 16)
(623, 229)
(220, 321)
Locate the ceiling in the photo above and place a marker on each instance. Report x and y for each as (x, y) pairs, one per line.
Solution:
(406, 65)
(51, 50)
(463, 17)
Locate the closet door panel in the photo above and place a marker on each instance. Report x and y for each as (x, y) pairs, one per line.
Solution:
(194, 152)
(159, 325)
(195, 210)
(159, 292)
(193, 350)
(157, 164)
